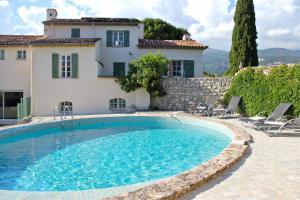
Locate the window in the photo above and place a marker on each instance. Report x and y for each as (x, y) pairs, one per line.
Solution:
(75, 33)
(117, 103)
(119, 69)
(2, 54)
(66, 66)
(66, 107)
(21, 55)
(176, 68)
(118, 38)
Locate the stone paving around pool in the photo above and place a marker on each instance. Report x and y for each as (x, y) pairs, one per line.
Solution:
(268, 168)
(269, 171)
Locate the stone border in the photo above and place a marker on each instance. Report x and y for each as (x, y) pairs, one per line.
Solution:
(177, 186)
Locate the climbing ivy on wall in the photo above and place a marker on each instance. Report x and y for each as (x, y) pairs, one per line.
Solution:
(263, 93)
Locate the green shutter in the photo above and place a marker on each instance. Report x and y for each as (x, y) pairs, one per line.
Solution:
(75, 33)
(126, 38)
(55, 71)
(74, 65)
(119, 69)
(188, 67)
(109, 38)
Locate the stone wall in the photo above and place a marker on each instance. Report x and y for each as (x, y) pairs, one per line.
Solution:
(185, 93)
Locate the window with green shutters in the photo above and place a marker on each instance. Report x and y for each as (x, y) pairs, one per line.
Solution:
(117, 38)
(75, 33)
(55, 63)
(65, 66)
(188, 67)
(119, 69)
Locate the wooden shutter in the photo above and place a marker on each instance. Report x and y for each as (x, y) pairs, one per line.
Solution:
(188, 67)
(119, 69)
(109, 38)
(126, 38)
(74, 65)
(55, 70)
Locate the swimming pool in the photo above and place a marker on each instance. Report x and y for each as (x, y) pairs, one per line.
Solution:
(105, 152)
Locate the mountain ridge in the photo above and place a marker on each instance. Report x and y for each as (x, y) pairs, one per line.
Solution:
(216, 61)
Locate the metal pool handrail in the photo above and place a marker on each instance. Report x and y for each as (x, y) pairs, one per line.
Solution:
(172, 116)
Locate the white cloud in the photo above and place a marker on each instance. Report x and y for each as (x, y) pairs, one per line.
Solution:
(277, 22)
(215, 20)
(32, 18)
(209, 21)
(278, 32)
(4, 3)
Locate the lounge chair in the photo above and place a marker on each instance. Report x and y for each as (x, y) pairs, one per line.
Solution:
(290, 127)
(277, 117)
(208, 105)
(232, 106)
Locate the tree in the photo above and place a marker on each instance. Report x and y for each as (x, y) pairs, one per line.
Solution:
(244, 47)
(145, 72)
(158, 29)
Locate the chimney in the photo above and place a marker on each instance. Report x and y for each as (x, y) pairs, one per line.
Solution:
(51, 14)
(186, 36)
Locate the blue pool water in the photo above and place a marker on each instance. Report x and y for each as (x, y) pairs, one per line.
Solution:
(107, 153)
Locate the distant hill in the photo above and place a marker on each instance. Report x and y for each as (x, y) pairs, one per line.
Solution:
(278, 56)
(216, 61)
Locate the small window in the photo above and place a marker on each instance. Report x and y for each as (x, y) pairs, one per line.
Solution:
(2, 54)
(118, 38)
(119, 69)
(66, 66)
(21, 55)
(66, 107)
(176, 68)
(75, 33)
(117, 104)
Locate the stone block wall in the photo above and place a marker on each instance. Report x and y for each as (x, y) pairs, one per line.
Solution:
(185, 93)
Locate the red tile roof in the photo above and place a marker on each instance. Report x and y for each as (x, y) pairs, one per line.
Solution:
(18, 40)
(67, 41)
(97, 21)
(170, 44)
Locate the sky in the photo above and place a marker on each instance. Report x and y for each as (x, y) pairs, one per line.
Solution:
(209, 21)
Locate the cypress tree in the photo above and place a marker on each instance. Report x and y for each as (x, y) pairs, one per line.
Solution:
(244, 47)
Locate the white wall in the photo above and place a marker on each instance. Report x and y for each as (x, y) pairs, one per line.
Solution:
(15, 74)
(89, 94)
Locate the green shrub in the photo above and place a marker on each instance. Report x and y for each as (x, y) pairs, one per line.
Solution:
(263, 93)
(207, 74)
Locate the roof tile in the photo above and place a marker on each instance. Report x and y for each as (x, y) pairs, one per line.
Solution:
(11, 40)
(70, 41)
(170, 44)
(93, 20)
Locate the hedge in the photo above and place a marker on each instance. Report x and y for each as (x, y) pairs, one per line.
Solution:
(263, 93)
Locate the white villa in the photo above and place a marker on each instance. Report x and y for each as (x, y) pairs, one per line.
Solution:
(76, 61)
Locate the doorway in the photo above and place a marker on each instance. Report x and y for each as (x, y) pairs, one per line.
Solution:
(8, 104)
